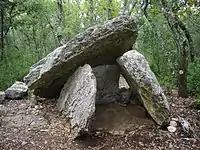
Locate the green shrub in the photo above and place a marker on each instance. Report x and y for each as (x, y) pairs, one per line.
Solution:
(194, 78)
(14, 67)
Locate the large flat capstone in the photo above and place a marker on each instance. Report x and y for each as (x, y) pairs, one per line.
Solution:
(140, 78)
(77, 100)
(100, 44)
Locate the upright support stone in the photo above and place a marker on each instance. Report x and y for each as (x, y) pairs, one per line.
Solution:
(107, 83)
(140, 78)
(77, 100)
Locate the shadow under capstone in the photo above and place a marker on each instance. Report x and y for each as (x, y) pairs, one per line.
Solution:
(117, 120)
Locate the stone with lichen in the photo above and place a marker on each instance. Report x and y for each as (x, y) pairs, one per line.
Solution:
(140, 78)
(100, 44)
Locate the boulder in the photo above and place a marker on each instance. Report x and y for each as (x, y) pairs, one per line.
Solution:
(98, 45)
(2, 97)
(187, 128)
(17, 91)
(77, 100)
(140, 78)
(107, 83)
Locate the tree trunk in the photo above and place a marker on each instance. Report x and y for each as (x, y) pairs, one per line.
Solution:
(4, 31)
(127, 7)
(91, 12)
(157, 34)
(60, 21)
(2, 34)
(183, 70)
(34, 38)
(109, 10)
(53, 32)
(184, 45)
(123, 7)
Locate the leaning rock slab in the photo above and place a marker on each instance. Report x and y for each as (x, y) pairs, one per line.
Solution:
(107, 83)
(77, 100)
(17, 91)
(2, 97)
(140, 78)
(97, 45)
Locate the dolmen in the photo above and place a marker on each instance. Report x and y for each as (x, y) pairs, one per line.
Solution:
(85, 72)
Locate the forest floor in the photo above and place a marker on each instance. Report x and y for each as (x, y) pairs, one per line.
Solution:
(24, 126)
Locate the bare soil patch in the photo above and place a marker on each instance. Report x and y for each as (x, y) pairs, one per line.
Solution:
(24, 126)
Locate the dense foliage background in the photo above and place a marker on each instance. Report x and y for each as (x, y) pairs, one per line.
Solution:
(30, 29)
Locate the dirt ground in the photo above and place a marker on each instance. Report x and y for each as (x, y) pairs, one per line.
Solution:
(24, 126)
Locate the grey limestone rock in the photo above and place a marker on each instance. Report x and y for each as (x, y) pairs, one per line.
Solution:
(187, 128)
(98, 45)
(140, 78)
(17, 91)
(77, 100)
(2, 96)
(107, 83)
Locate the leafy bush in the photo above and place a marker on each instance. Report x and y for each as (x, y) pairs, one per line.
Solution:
(14, 67)
(194, 78)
